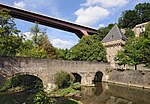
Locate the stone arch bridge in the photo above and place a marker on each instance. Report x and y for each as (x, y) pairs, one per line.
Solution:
(46, 68)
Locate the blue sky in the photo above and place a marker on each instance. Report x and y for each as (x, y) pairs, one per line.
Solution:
(93, 13)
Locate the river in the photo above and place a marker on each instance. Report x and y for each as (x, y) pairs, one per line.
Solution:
(103, 93)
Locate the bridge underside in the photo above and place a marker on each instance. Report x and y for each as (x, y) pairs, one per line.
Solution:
(50, 21)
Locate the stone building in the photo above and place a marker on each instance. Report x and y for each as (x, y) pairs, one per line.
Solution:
(140, 28)
(113, 42)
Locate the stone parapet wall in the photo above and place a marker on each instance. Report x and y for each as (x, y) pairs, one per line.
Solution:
(46, 68)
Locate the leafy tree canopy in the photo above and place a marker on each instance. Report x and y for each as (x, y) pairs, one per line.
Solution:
(89, 48)
(136, 50)
(130, 18)
(129, 33)
(131, 53)
(10, 41)
(39, 46)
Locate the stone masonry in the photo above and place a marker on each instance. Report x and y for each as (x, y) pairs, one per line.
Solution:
(46, 68)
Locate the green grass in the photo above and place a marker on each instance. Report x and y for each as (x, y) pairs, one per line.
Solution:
(65, 91)
(70, 101)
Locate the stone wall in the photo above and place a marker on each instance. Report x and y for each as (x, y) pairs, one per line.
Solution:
(136, 78)
(46, 68)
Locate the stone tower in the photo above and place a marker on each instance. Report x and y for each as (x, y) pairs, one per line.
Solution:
(113, 42)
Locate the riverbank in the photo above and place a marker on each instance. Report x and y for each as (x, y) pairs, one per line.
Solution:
(103, 93)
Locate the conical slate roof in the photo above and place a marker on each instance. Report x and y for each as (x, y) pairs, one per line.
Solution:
(114, 34)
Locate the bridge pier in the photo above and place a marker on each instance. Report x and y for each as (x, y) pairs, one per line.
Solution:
(87, 79)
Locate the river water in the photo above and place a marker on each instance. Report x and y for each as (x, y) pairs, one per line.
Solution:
(103, 93)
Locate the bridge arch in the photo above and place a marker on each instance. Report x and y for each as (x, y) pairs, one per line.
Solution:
(25, 73)
(29, 81)
(77, 77)
(98, 77)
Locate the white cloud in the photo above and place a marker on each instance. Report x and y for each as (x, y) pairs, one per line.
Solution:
(39, 6)
(19, 4)
(61, 44)
(91, 15)
(106, 3)
(55, 42)
(28, 35)
(101, 25)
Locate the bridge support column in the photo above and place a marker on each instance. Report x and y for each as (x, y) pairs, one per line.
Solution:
(81, 33)
(84, 32)
(87, 79)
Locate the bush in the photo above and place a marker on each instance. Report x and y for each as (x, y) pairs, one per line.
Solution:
(62, 79)
(6, 86)
(40, 98)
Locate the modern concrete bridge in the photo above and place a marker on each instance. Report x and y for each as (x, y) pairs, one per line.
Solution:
(46, 68)
(79, 30)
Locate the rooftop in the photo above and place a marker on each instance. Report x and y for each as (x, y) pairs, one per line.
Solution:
(114, 34)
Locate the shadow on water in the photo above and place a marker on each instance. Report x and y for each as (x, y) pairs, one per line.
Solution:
(17, 98)
(29, 83)
(98, 89)
(104, 93)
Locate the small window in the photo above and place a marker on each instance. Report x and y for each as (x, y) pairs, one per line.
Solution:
(112, 36)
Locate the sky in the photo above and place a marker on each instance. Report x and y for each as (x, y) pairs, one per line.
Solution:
(91, 13)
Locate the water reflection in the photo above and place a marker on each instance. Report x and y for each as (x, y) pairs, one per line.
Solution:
(105, 93)
(17, 98)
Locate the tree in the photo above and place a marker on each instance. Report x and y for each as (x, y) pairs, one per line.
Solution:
(136, 50)
(39, 46)
(40, 38)
(129, 19)
(62, 79)
(10, 46)
(62, 53)
(7, 25)
(131, 53)
(46, 45)
(10, 41)
(146, 46)
(143, 10)
(88, 49)
(35, 31)
(129, 33)
(147, 31)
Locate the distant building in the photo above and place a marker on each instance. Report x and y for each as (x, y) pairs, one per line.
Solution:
(113, 42)
(140, 28)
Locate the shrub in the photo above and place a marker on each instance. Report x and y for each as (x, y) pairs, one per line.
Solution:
(62, 79)
(40, 98)
(108, 70)
(6, 85)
